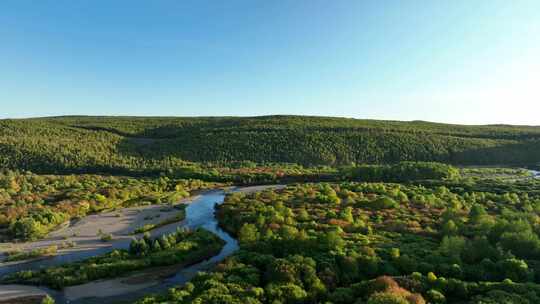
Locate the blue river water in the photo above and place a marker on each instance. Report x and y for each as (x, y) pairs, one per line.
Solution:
(199, 214)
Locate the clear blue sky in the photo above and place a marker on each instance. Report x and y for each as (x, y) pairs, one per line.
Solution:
(450, 61)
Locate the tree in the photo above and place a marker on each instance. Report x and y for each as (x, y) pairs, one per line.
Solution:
(477, 211)
(134, 247)
(515, 270)
(436, 297)
(27, 229)
(452, 246)
(332, 240)
(386, 298)
(342, 296)
(383, 202)
(47, 300)
(524, 244)
(431, 277)
(450, 228)
(346, 215)
(248, 234)
(164, 242)
(144, 248)
(281, 270)
(286, 293)
(156, 246)
(303, 215)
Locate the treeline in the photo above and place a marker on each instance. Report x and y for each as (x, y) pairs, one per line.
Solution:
(376, 243)
(402, 172)
(178, 248)
(32, 205)
(191, 147)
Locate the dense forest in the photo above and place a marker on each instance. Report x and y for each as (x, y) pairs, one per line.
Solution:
(218, 147)
(32, 205)
(369, 212)
(377, 243)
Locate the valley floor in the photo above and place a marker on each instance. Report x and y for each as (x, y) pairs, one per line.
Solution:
(86, 234)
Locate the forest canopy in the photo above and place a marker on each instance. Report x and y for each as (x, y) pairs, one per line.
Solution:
(192, 147)
(377, 243)
(370, 212)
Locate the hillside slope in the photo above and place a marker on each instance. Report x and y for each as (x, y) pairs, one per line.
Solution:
(137, 144)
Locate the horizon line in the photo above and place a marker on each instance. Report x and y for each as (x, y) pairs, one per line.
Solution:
(499, 124)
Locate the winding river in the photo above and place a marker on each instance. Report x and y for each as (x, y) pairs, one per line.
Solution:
(199, 213)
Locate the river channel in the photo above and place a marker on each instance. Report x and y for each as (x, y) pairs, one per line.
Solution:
(199, 214)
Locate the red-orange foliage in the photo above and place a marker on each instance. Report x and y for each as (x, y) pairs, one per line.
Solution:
(386, 284)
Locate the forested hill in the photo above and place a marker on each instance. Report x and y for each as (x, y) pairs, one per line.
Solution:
(126, 144)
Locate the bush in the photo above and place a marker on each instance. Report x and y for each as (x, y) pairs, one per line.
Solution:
(386, 298)
(47, 300)
(106, 237)
(383, 202)
(415, 299)
(417, 276)
(36, 253)
(435, 297)
(383, 283)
